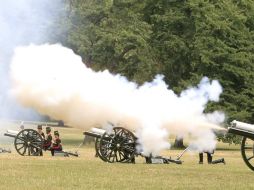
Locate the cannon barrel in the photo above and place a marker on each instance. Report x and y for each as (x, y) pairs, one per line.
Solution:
(88, 133)
(11, 133)
(95, 132)
(242, 129)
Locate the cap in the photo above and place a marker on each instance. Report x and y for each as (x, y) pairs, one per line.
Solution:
(39, 127)
(56, 133)
(48, 129)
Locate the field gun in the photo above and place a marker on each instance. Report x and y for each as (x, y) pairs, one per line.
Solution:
(247, 146)
(28, 142)
(119, 145)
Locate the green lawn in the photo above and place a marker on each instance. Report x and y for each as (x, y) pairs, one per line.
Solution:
(88, 172)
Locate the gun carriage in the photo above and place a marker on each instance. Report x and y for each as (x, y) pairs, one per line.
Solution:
(119, 145)
(247, 146)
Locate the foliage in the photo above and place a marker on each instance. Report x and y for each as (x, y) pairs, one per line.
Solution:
(184, 40)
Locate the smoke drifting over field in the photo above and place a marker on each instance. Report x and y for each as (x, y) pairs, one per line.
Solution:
(21, 22)
(54, 81)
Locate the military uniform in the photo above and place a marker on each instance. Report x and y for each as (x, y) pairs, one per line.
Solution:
(209, 157)
(57, 146)
(41, 132)
(48, 139)
(39, 127)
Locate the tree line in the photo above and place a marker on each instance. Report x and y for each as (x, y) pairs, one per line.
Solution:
(182, 39)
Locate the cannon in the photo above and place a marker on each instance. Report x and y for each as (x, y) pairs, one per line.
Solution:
(28, 142)
(247, 146)
(119, 145)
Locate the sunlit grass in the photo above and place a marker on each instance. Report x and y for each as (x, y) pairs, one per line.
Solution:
(88, 172)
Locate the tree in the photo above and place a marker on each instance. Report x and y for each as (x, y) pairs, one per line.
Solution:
(112, 35)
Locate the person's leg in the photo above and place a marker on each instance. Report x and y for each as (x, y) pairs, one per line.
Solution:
(52, 151)
(201, 158)
(219, 161)
(209, 158)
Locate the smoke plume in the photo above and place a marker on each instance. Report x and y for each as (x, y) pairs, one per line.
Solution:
(22, 22)
(53, 80)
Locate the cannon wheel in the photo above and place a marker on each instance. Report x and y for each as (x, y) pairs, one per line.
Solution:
(247, 150)
(28, 142)
(119, 146)
(98, 150)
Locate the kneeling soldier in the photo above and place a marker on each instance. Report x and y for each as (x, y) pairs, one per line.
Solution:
(210, 158)
(57, 146)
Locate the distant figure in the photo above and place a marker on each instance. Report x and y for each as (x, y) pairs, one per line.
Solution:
(57, 146)
(22, 126)
(48, 139)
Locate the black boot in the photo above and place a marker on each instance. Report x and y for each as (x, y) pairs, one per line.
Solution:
(209, 158)
(200, 158)
(219, 161)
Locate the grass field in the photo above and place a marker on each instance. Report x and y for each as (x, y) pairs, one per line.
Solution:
(88, 172)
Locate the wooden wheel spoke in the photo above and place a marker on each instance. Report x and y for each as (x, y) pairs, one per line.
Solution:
(128, 148)
(20, 143)
(121, 153)
(34, 146)
(24, 150)
(250, 158)
(21, 147)
(128, 143)
(248, 148)
(108, 155)
(116, 156)
(21, 139)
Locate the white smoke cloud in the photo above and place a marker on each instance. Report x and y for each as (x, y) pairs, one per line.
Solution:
(22, 22)
(54, 81)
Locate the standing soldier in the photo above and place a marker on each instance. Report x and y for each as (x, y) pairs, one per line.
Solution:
(57, 146)
(39, 130)
(48, 139)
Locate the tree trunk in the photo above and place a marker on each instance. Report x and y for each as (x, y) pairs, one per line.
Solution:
(179, 143)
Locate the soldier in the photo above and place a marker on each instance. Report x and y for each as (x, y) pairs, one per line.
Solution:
(209, 157)
(39, 130)
(48, 139)
(57, 146)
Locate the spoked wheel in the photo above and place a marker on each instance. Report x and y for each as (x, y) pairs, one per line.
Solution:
(98, 149)
(28, 142)
(247, 149)
(119, 146)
